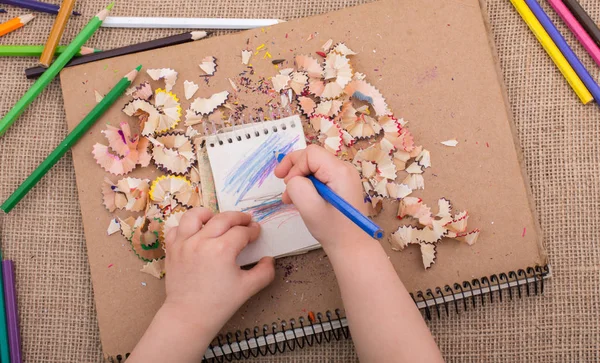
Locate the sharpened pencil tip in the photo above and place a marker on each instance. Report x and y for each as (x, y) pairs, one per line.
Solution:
(138, 68)
(110, 6)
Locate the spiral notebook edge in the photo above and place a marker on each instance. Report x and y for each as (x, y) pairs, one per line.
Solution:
(274, 340)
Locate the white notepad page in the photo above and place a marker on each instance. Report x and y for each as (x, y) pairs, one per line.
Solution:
(242, 162)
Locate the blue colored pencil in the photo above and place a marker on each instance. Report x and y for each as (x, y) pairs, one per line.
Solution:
(561, 43)
(346, 208)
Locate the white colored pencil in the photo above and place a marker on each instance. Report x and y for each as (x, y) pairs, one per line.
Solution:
(186, 23)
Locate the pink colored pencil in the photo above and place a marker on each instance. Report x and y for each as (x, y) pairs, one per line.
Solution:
(577, 29)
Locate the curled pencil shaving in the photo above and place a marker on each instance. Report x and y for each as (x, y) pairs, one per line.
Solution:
(280, 82)
(385, 166)
(310, 65)
(414, 181)
(209, 65)
(143, 91)
(173, 153)
(112, 163)
(375, 205)
(167, 74)
(364, 91)
(130, 194)
(337, 68)
(358, 123)
(162, 116)
(298, 82)
(306, 105)
(165, 188)
(145, 241)
(155, 268)
(343, 49)
(316, 87)
(330, 134)
(205, 106)
(329, 108)
(171, 222)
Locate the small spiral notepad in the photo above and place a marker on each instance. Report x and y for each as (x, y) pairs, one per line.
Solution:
(242, 161)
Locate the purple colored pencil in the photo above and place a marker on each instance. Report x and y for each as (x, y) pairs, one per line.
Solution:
(35, 5)
(2, 11)
(12, 312)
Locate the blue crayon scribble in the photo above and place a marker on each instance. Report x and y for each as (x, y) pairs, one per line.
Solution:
(271, 208)
(257, 166)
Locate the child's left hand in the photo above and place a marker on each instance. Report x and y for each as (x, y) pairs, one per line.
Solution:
(204, 286)
(202, 275)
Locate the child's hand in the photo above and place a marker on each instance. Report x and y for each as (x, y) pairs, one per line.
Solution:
(204, 285)
(325, 222)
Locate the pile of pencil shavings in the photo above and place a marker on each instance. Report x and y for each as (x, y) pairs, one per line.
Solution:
(343, 112)
(346, 111)
(157, 205)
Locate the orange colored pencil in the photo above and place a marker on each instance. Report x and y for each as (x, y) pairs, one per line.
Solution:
(15, 23)
(66, 8)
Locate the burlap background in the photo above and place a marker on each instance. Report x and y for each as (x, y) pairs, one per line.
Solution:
(559, 136)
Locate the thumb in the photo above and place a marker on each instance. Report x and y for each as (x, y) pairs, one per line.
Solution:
(305, 197)
(261, 275)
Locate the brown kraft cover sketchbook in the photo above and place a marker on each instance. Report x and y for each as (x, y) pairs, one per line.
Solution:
(435, 64)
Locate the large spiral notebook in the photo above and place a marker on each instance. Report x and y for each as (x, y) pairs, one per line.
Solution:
(435, 63)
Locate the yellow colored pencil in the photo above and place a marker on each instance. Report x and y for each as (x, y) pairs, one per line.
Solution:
(557, 57)
(15, 23)
(66, 8)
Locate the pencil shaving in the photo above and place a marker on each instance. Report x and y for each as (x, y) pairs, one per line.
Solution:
(189, 88)
(155, 268)
(451, 143)
(166, 74)
(173, 153)
(205, 106)
(128, 193)
(143, 91)
(145, 241)
(310, 65)
(209, 65)
(246, 54)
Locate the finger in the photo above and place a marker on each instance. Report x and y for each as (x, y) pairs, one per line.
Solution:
(305, 197)
(170, 238)
(317, 161)
(282, 169)
(238, 237)
(192, 221)
(259, 276)
(222, 222)
(285, 198)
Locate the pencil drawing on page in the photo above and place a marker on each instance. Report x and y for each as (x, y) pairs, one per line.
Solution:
(247, 182)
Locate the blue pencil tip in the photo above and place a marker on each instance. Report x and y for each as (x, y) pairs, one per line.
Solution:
(279, 156)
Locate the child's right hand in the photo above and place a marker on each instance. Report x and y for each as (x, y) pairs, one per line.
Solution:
(327, 224)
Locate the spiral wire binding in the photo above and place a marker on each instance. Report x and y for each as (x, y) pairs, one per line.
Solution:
(292, 335)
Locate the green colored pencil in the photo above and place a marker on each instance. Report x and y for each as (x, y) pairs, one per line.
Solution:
(4, 347)
(70, 140)
(36, 50)
(53, 70)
